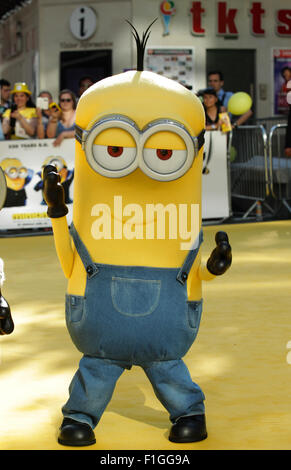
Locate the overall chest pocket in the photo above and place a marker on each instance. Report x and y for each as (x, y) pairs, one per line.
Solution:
(135, 297)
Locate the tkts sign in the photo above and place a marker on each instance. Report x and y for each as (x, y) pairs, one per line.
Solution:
(226, 20)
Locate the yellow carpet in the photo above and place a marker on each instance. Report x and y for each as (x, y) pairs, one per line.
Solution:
(239, 357)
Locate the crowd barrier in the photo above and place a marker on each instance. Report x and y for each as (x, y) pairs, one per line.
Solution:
(269, 122)
(247, 165)
(280, 167)
(25, 210)
(249, 172)
(260, 173)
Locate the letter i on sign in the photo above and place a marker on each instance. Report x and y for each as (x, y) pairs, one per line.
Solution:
(83, 22)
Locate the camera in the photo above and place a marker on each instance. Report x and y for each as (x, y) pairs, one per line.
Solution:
(54, 106)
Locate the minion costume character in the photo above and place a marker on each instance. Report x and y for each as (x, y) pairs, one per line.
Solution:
(133, 300)
(6, 322)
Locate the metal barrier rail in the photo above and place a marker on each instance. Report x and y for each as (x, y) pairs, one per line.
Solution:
(269, 122)
(280, 167)
(250, 178)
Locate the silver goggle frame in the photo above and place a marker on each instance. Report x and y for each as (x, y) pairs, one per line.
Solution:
(15, 172)
(87, 138)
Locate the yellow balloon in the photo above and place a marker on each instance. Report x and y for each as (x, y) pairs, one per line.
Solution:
(239, 103)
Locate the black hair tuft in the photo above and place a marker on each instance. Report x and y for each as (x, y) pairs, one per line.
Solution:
(140, 44)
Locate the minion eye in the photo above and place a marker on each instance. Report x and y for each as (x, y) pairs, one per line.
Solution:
(57, 164)
(164, 161)
(113, 157)
(23, 172)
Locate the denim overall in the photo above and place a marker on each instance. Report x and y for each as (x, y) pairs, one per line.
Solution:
(132, 315)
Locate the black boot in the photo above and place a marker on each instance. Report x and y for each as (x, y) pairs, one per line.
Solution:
(75, 433)
(189, 429)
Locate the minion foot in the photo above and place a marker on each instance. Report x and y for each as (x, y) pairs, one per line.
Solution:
(189, 429)
(76, 434)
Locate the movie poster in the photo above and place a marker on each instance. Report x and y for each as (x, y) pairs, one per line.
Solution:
(22, 162)
(282, 75)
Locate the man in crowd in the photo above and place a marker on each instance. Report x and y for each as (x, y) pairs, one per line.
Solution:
(84, 84)
(216, 81)
(4, 95)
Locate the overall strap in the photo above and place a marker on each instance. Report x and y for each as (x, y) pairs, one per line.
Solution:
(84, 254)
(190, 258)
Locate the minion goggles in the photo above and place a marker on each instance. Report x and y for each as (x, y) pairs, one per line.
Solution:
(164, 168)
(14, 172)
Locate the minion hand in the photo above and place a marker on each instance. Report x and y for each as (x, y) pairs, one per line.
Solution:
(6, 322)
(220, 258)
(53, 193)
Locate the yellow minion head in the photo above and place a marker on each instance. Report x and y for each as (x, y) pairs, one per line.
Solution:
(3, 188)
(59, 163)
(15, 173)
(139, 142)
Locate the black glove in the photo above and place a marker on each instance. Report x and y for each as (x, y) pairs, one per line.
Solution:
(220, 258)
(53, 193)
(6, 322)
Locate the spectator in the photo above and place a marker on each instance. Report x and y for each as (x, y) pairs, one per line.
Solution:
(4, 96)
(84, 84)
(212, 108)
(20, 121)
(215, 81)
(43, 115)
(62, 122)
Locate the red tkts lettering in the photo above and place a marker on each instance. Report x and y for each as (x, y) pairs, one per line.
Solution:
(226, 19)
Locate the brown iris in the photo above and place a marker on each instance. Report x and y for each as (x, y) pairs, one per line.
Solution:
(164, 154)
(114, 151)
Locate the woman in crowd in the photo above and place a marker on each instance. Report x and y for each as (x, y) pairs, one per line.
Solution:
(19, 122)
(212, 109)
(62, 123)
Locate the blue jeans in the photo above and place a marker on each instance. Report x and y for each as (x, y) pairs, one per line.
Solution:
(93, 384)
(132, 315)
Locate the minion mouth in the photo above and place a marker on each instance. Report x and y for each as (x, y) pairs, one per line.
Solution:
(156, 222)
(131, 213)
(130, 221)
(16, 184)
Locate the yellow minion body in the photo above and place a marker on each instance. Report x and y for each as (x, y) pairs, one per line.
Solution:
(133, 299)
(142, 97)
